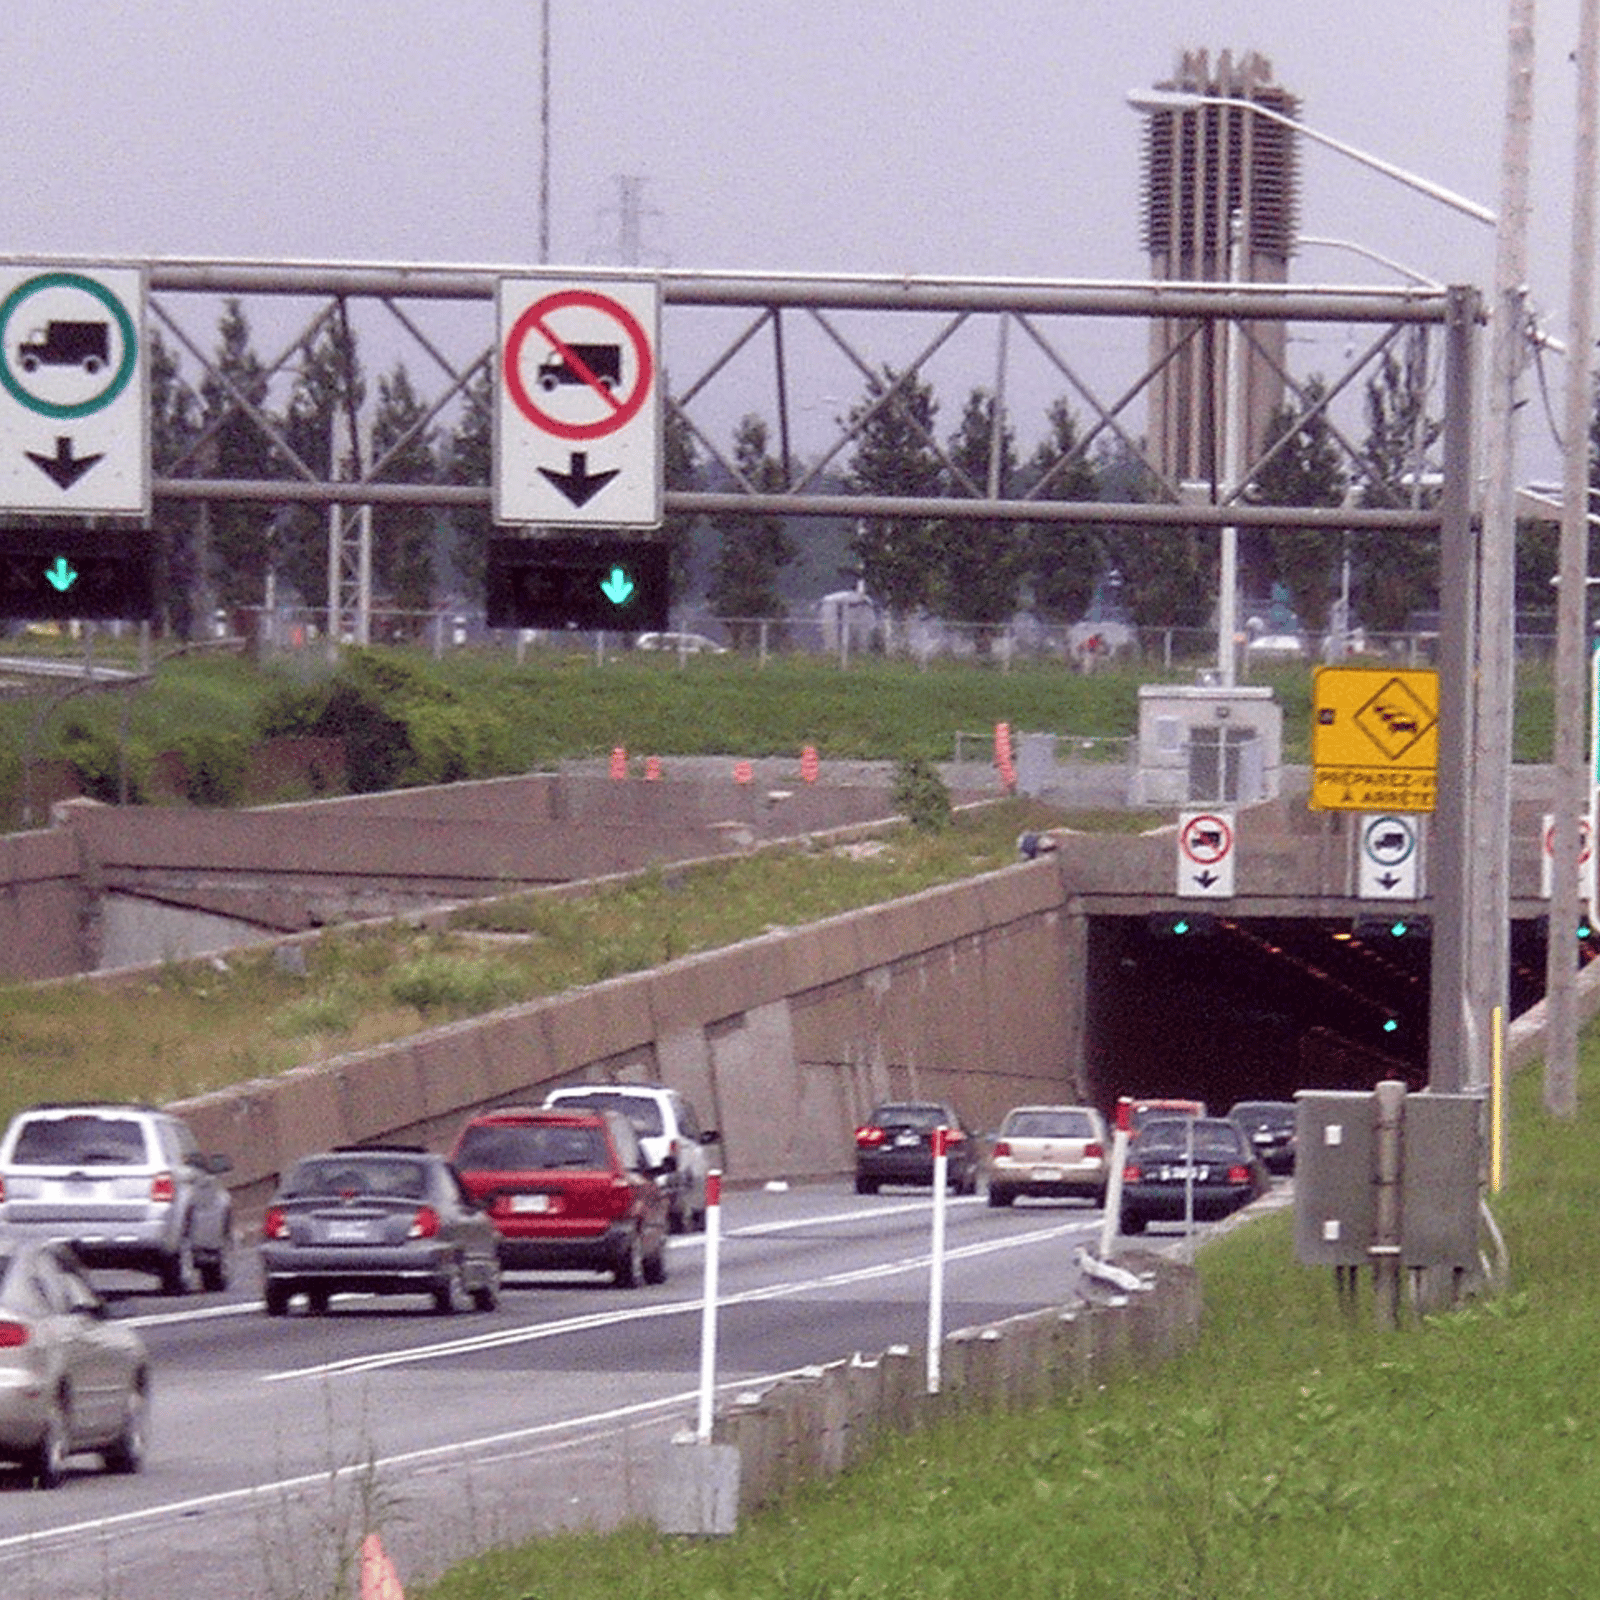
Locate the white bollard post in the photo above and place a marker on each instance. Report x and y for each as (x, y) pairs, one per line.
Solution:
(1119, 1157)
(941, 1177)
(708, 1310)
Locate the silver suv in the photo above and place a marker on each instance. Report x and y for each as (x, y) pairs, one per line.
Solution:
(667, 1127)
(126, 1185)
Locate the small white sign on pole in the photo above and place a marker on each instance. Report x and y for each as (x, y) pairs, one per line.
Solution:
(1586, 859)
(1205, 854)
(1389, 856)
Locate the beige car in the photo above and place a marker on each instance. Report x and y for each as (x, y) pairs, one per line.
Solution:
(1059, 1151)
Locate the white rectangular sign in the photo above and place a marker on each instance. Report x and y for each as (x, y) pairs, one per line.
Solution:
(1389, 848)
(577, 438)
(74, 391)
(1205, 854)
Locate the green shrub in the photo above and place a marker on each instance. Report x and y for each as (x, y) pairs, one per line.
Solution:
(438, 981)
(452, 742)
(215, 765)
(108, 769)
(919, 793)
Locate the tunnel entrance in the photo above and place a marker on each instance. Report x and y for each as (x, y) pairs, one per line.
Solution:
(1225, 1009)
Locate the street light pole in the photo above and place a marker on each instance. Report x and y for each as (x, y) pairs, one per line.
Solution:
(1470, 967)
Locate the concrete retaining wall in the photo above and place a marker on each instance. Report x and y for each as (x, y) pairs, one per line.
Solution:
(972, 992)
(818, 1425)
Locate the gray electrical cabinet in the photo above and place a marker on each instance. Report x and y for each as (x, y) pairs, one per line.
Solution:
(1334, 1199)
(1441, 1142)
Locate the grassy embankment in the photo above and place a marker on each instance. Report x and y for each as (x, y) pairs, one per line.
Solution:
(1297, 1454)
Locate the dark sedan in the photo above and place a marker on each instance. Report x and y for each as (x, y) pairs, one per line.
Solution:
(895, 1145)
(377, 1220)
(1189, 1167)
(1269, 1126)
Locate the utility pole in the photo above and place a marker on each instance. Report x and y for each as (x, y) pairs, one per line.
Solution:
(544, 132)
(1573, 783)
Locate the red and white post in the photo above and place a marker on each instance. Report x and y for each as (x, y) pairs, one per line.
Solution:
(708, 1309)
(1119, 1159)
(941, 1175)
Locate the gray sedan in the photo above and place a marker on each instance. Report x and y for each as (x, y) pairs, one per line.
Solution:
(377, 1220)
(71, 1379)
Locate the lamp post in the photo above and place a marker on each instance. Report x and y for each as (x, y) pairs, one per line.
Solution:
(1470, 961)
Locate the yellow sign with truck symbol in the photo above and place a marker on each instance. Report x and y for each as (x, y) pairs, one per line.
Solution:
(1374, 739)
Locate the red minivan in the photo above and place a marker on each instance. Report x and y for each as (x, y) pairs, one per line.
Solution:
(567, 1189)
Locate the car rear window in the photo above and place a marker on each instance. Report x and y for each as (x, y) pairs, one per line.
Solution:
(403, 1180)
(643, 1111)
(501, 1147)
(923, 1117)
(1049, 1125)
(79, 1141)
(1208, 1138)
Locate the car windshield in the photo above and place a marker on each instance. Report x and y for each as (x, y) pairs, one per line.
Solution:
(507, 1147)
(924, 1118)
(1173, 1135)
(1046, 1124)
(333, 1175)
(643, 1111)
(79, 1141)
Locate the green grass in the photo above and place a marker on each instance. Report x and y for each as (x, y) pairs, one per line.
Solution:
(1295, 1454)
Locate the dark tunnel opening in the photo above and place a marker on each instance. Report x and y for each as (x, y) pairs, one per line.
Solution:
(1222, 1009)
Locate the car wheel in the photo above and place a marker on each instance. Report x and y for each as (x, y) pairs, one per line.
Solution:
(487, 1295)
(179, 1274)
(866, 1185)
(214, 1270)
(126, 1452)
(655, 1265)
(317, 1302)
(48, 1462)
(1131, 1223)
(447, 1297)
(630, 1265)
(999, 1195)
(680, 1219)
(276, 1299)
(969, 1181)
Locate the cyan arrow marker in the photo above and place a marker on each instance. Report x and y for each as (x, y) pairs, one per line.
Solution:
(61, 576)
(617, 587)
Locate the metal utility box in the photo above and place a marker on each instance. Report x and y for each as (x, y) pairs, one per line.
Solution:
(1336, 1174)
(1208, 745)
(1335, 1208)
(1440, 1178)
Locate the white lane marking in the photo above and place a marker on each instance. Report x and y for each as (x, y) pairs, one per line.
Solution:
(500, 1338)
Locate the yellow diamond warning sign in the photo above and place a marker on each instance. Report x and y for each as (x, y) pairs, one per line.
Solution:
(1374, 739)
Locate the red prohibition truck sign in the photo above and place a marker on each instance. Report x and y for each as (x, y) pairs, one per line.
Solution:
(577, 410)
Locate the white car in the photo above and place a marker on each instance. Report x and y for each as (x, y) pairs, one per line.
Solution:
(689, 644)
(666, 1124)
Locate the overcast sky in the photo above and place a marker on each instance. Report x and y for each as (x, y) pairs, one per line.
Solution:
(920, 136)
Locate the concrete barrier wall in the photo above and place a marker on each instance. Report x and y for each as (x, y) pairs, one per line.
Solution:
(968, 992)
(818, 1425)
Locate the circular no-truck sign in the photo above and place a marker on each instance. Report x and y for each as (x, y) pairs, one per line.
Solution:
(1206, 839)
(1585, 839)
(68, 345)
(1389, 841)
(578, 365)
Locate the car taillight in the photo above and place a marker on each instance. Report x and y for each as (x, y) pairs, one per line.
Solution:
(12, 1335)
(2, 1188)
(869, 1136)
(1093, 1151)
(425, 1225)
(953, 1136)
(1002, 1148)
(163, 1189)
(275, 1225)
(1131, 1174)
(1238, 1174)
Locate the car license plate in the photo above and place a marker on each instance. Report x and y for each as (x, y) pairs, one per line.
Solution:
(1184, 1174)
(908, 1139)
(349, 1232)
(530, 1202)
(1047, 1174)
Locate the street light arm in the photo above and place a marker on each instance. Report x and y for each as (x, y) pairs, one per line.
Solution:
(1179, 100)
